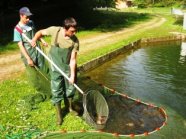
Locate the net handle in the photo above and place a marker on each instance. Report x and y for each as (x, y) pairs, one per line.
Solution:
(48, 59)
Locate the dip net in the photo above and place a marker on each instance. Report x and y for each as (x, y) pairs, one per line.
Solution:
(112, 114)
(127, 115)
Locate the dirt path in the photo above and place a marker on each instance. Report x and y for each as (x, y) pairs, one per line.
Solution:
(11, 65)
(113, 37)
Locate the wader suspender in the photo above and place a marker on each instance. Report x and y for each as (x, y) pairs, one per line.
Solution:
(18, 28)
(55, 41)
(57, 34)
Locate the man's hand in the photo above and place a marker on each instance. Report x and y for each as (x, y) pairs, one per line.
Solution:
(71, 80)
(33, 43)
(38, 36)
(44, 43)
(30, 62)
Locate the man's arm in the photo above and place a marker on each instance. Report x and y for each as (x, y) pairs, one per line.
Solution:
(43, 42)
(24, 52)
(37, 36)
(17, 38)
(73, 66)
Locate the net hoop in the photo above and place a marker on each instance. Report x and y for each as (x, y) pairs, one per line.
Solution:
(95, 96)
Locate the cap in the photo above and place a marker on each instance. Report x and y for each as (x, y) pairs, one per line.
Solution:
(25, 11)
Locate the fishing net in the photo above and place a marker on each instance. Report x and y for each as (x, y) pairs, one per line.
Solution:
(122, 115)
(126, 115)
(39, 79)
(95, 109)
(78, 135)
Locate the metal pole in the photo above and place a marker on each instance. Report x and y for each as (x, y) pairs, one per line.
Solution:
(51, 62)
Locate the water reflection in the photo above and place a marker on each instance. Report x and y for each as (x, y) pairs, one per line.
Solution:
(153, 74)
(183, 53)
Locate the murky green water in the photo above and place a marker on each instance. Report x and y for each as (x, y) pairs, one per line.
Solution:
(156, 74)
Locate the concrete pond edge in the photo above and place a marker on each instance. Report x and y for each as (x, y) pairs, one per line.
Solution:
(136, 44)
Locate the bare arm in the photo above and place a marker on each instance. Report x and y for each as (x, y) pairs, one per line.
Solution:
(24, 52)
(44, 42)
(73, 66)
(37, 36)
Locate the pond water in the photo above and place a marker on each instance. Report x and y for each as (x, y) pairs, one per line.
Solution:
(155, 73)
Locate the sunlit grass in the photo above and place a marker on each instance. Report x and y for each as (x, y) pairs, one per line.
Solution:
(15, 114)
(5, 48)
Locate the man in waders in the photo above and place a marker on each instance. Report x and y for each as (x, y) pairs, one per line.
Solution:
(63, 52)
(29, 55)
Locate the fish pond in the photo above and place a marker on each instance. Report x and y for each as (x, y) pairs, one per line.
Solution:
(154, 73)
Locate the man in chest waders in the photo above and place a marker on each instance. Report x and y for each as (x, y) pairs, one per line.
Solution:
(29, 55)
(63, 52)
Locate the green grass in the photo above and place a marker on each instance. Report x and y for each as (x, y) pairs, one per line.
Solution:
(5, 48)
(17, 119)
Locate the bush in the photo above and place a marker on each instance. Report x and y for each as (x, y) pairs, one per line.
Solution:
(142, 5)
(159, 5)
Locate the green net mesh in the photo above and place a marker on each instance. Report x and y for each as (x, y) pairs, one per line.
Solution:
(41, 83)
(95, 109)
(39, 79)
(79, 135)
(126, 115)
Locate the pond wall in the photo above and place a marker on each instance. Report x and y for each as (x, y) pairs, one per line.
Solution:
(104, 58)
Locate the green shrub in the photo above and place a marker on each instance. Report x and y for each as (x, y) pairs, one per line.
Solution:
(142, 5)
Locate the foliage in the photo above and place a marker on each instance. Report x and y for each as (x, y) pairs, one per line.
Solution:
(111, 20)
(157, 3)
(96, 3)
(8, 47)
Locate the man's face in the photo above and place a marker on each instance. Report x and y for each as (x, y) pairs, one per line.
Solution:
(24, 19)
(70, 32)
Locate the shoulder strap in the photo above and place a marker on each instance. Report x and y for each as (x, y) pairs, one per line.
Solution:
(55, 42)
(18, 28)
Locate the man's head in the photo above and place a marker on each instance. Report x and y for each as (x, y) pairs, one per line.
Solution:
(70, 26)
(25, 11)
(25, 15)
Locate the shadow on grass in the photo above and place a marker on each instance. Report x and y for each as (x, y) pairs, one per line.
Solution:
(96, 20)
(112, 20)
(178, 21)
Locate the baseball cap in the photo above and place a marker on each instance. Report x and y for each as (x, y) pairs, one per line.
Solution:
(25, 11)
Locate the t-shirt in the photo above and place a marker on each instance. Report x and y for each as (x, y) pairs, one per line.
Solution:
(63, 42)
(25, 28)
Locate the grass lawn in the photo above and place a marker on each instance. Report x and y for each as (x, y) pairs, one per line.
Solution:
(15, 119)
